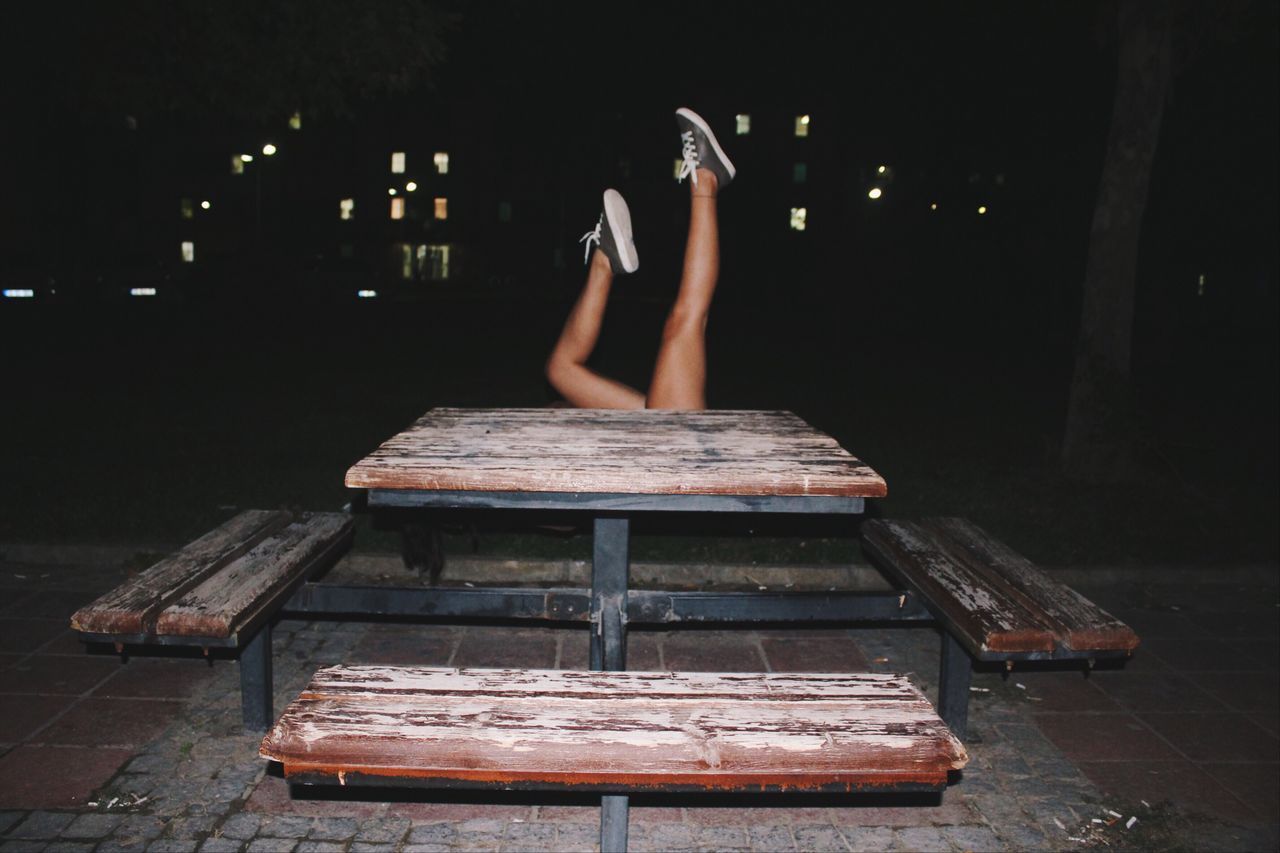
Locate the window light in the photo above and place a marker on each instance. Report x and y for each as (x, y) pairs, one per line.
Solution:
(188, 252)
(19, 293)
(742, 122)
(442, 208)
(366, 294)
(187, 208)
(798, 217)
(434, 261)
(397, 208)
(142, 291)
(237, 165)
(347, 209)
(802, 125)
(441, 160)
(397, 162)
(295, 121)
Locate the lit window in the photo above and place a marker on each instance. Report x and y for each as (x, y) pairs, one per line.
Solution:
(347, 209)
(799, 172)
(798, 217)
(142, 291)
(874, 193)
(442, 208)
(406, 260)
(237, 165)
(1199, 286)
(802, 125)
(19, 293)
(504, 211)
(433, 262)
(188, 209)
(441, 160)
(366, 294)
(397, 208)
(743, 123)
(295, 121)
(397, 162)
(188, 252)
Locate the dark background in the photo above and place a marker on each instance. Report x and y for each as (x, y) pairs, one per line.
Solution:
(935, 344)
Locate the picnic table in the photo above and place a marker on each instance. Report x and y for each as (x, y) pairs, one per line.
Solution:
(615, 464)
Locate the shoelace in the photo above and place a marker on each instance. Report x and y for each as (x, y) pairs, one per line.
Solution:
(690, 154)
(592, 236)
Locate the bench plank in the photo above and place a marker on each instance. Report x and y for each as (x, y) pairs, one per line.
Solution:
(986, 617)
(242, 589)
(1077, 622)
(132, 607)
(619, 731)
(616, 452)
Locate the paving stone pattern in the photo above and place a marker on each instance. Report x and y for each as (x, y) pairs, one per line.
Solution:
(150, 755)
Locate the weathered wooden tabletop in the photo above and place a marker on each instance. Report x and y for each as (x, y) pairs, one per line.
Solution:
(647, 452)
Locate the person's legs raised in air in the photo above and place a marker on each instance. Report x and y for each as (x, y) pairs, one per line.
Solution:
(566, 370)
(680, 370)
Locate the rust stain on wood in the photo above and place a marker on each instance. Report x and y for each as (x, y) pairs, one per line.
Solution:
(616, 451)
(632, 730)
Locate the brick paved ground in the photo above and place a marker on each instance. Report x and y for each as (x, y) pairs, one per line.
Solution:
(95, 755)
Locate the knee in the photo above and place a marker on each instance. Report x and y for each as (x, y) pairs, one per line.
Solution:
(683, 322)
(556, 370)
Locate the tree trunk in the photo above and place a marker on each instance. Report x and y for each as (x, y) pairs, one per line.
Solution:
(1098, 444)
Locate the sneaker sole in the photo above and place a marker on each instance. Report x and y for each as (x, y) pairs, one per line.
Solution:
(695, 119)
(618, 217)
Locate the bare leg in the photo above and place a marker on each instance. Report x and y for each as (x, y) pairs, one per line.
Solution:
(680, 372)
(567, 367)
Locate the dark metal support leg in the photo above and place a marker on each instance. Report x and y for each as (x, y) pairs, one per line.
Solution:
(255, 681)
(953, 686)
(613, 824)
(610, 562)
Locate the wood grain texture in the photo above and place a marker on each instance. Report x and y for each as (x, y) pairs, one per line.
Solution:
(619, 730)
(235, 594)
(616, 451)
(132, 607)
(983, 616)
(1076, 622)
(995, 599)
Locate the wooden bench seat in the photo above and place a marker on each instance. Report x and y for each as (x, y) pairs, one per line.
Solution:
(613, 731)
(994, 601)
(221, 591)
